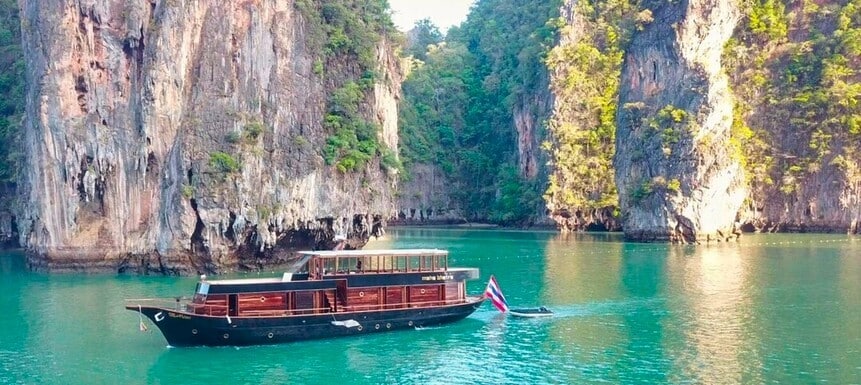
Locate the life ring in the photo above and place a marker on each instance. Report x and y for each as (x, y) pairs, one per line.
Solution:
(377, 326)
(410, 323)
(194, 331)
(270, 335)
(262, 299)
(388, 325)
(226, 336)
(158, 317)
(422, 291)
(359, 328)
(361, 294)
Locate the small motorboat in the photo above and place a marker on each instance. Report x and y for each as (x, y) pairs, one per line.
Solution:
(533, 312)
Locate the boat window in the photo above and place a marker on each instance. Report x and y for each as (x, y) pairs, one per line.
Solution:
(329, 265)
(414, 263)
(427, 262)
(300, 267)
(303, 269)
(303, 300)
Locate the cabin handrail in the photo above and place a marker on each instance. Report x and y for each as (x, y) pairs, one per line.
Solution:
(184, 305)
(178, 304)
(407, 304)
(166, 303)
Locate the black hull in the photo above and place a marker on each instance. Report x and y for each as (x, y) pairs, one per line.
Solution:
(184, 329)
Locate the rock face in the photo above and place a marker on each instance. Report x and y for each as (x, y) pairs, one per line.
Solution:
(675, 171)
(426, 199)
(178, 137)
(584, 80)
(8, 225)
(797, 84)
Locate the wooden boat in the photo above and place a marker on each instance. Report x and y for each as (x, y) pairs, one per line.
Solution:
(323, 294)
(534, 312)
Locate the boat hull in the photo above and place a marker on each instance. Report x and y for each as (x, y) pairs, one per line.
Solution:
(185, 329)
(530, 313)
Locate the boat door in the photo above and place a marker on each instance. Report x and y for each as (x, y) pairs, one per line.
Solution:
(233, 305)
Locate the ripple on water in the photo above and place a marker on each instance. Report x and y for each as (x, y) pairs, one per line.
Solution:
(704, 315)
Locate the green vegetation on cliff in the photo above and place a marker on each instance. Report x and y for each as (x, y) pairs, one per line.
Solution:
(346, 35)
(795, 71)
(423, 35)
(457, 111)
(11, 91)
(585, 69)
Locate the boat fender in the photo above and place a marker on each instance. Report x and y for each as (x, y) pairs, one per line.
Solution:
(228, 319)
(158, 317)
(141, 324)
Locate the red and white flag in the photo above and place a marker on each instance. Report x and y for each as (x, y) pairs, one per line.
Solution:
(495, 294)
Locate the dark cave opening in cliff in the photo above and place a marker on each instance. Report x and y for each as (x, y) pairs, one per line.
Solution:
(82, 188)
(11, 241)
(596, 227)
(151, 162)
(230, 233)
(197, 242)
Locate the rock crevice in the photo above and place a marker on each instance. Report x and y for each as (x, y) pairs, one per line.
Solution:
(676, 174)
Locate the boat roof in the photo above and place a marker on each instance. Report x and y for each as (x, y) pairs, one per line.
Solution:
(373, 253)
(243, 281)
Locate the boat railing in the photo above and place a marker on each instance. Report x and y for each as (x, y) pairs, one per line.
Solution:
(180, 304)
(404, 305)
(185, 305)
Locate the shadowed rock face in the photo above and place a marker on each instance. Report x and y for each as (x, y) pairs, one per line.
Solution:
(136, 110)
(675, 171)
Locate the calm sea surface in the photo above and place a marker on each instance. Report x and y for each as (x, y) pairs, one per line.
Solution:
(770, 309)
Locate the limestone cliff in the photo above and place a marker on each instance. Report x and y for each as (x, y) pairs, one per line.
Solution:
(676, 172)
(794, 69)
(183, 136)
(584, 70)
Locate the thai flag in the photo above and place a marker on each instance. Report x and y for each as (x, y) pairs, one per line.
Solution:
(495, 294)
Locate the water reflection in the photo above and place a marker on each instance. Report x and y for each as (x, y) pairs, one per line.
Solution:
(714, 305)
(643, 276)
(12, 262)
(577, 276)
(771, 309)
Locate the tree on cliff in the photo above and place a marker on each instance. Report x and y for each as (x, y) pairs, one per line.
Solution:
(11, 90)
(458, 107)
(424, 34)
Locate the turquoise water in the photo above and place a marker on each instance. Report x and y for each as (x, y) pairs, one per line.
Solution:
(770, 309)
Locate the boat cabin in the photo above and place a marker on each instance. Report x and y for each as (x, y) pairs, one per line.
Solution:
(319, 282)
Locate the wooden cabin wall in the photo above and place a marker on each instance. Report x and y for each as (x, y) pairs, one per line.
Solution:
(257, 302)
(215, 305)
(424, 293)
(453, 291)
(363, 298)
(395, 296)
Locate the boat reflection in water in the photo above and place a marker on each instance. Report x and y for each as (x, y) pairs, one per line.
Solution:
(323, 294)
